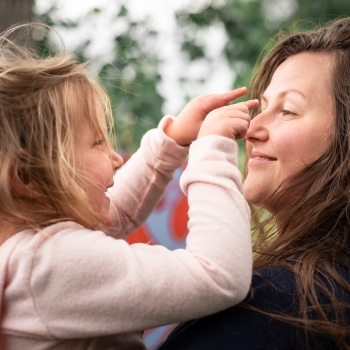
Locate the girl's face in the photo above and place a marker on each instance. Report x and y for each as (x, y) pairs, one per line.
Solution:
(97, 164)
(294, 127)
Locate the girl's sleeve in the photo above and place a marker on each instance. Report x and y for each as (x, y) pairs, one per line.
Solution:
(140, 183)
(85, 283)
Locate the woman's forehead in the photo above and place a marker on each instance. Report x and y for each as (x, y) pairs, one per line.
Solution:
(306, 75)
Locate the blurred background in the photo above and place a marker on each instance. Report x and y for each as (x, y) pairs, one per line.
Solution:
(152, 56)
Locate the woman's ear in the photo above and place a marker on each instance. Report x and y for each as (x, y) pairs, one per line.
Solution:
(20, 183)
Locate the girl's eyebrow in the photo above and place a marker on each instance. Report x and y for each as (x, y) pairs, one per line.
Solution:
(286, 92)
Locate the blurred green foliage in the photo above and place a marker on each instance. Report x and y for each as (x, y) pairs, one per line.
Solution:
(132, 78)
(250, 24)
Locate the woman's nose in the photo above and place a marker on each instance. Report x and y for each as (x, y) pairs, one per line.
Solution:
(258, 129)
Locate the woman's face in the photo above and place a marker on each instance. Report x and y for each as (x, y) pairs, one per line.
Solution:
(294, 127)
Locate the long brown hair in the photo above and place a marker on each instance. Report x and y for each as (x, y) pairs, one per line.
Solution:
(313, 233)
(42, 100)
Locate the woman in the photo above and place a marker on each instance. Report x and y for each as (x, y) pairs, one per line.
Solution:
(298, 171)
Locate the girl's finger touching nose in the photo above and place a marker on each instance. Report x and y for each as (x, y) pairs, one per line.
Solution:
(251, 104)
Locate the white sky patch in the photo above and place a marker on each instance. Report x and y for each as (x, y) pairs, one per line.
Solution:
(102, 28)
(278, 10)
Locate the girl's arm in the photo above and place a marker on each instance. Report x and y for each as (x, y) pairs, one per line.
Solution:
(77, 283)
(85, 283)
(141, 182)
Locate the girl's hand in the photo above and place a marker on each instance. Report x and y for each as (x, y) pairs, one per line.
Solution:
(230, 121)
(184, 129)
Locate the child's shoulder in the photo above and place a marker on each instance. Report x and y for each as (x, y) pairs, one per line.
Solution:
(57, 252)
(48, 241)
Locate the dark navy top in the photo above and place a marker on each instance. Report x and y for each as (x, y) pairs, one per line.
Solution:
(240, 327)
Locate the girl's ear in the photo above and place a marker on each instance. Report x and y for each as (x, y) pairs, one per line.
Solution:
(21, 184)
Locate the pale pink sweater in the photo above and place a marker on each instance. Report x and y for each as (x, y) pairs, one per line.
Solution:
(68, 287)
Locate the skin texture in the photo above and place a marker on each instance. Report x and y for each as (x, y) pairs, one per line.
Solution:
(97, 162)
(294, 127)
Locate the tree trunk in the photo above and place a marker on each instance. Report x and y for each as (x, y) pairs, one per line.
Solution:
(15, 11)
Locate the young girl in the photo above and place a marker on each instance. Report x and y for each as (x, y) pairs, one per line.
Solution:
(69, 280)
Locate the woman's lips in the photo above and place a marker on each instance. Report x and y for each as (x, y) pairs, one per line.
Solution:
(260, 158)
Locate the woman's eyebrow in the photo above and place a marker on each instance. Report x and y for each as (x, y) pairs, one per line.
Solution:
(286, 92)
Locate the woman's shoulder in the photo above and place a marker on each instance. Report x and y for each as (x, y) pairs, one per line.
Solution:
(249, 325)
(246, 325)
(277, 283)
(279, 276)
(272, 283)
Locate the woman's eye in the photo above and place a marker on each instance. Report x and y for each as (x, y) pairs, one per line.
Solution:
(288, 113)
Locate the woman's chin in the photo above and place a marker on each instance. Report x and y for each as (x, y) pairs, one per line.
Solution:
(251, 196)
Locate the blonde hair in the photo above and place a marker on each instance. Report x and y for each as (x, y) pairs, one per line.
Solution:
(42, 100)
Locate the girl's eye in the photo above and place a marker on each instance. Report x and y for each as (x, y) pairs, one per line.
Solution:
(99, 143)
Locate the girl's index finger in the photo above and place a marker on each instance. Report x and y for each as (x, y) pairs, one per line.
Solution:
(251, 104)
(245, 106)
(213, 101)
(234, 94)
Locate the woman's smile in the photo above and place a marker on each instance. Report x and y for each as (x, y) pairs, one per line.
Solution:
(258, 158)
(278, 141)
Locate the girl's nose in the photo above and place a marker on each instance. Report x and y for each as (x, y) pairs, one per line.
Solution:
(117, 160)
